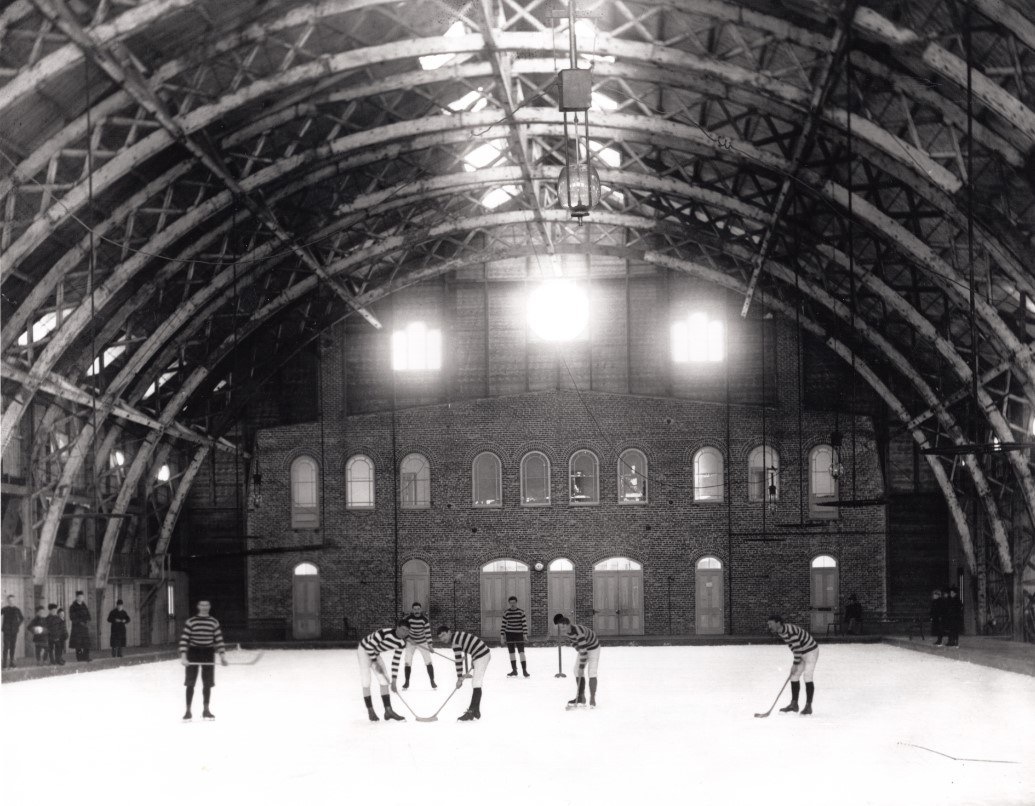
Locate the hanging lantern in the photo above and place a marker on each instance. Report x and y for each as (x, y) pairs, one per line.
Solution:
(771, 504)
(578, 189)
(837, 468)
(578, 186)
(255, 496)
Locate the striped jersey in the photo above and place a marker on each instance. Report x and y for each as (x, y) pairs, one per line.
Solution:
(799, 640)
(583, 639)
(514, 622)
(420, 628)
(202, 631)
(381, 641)
(471, 644)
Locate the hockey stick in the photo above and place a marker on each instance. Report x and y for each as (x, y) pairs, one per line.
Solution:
(560, 671)
(250, 662)
(771, 707)
(434, 716)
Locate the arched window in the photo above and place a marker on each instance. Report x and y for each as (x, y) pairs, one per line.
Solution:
(306, 570)
(822, 484)
(583, 481)
(414, 482)
(824, 561)
(535, 480)
(359, 483)
(618, 564)
(763, 473)
(305, 513)
(500, 566)
(707, 563)
(708, 475)
(561, 564)
(632, 477)
(486, 480)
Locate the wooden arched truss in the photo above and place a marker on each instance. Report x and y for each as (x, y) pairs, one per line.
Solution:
(187, 196)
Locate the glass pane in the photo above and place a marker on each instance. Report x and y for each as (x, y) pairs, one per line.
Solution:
(617, 564)
(708, 562)
(415, 482)
(535, 479)
(632, 477)
(359, 483)
(708, 475)
(487, 480)
(584, 487)
(415, 567)
(562, 565)
(823, 561)
(303, 482)
(504, 565)
(822, 482)
(306, 570)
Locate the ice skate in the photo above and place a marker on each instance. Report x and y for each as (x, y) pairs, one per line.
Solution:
(469, 715)
(372, 716)
(433, 684)
(576, 703)
(207, 714)
(187, 717)
(406, 686)
(806, 710)
(792, 708)
(512, 673)
(392, 715)
(527, 674)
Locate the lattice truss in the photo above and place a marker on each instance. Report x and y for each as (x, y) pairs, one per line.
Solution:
(190, 191)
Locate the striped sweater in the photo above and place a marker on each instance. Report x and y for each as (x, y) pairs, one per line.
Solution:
(201, 631)
(471, 644)
(799, 640)
(583, 639)
(514, 622)
(420, 628)
(381, 641)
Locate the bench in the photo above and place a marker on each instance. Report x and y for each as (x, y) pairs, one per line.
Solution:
(909, 622)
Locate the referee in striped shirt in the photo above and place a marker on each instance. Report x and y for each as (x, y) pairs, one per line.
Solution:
(806, 653)
(200, 641)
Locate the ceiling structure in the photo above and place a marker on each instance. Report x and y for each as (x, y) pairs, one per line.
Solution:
(229, 178)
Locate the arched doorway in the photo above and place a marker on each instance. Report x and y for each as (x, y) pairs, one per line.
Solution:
(416, 585)
(502, 579)
(823, 596)
(708, 596)
(618, 597)
(560, 590)
(305, 609)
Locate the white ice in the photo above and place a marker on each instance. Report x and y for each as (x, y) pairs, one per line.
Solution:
(673, 723)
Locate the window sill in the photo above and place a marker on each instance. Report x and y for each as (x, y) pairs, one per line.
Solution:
(538, 505)
(574, 503)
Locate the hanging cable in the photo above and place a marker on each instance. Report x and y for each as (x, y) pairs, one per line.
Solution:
(851, 255)
(92, 280)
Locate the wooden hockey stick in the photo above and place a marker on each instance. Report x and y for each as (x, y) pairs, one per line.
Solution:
(434, 716)
(250, 662)
(771, 707)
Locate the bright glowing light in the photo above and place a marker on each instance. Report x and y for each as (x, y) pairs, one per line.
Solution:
(483, 155)
(163, 473)
(42, 327)
(417, 347)
(607, 155)
(497, 196)
(558, 311)
(602, 102)
(434, 62)
(163, 379)
(473, 101)
(697, 339)
(109, 355)
(117, 459)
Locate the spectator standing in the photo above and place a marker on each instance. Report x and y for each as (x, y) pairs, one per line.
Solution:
(57, 631)
(953, 616)
(38, 630)
(79, 615)
(11, 625)
(854, 615)
(937, 616)
(118, 619)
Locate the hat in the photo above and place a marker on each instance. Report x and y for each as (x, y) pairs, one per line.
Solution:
(118, 602)
(80, 593)
(52, 607)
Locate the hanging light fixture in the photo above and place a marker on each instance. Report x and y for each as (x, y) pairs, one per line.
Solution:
(255, 496)
(578, 186)
(772, 505)
(837, 468)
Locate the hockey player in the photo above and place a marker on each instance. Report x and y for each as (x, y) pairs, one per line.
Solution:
(201, 639)
(586, 644)
(806, 653)
(465, 643)
(369, 656)
(513, 634)
(420, 638)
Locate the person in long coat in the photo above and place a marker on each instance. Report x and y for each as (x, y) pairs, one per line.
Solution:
(118, 619)
(953, 616)
(79, 615)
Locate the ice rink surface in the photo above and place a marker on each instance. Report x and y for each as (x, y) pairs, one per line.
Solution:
(675, 724)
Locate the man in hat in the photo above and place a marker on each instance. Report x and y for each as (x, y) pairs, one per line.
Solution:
(953, 616)
(201, 639)
(57, 634)
(118, 619)
(11, 625)
(79, 615)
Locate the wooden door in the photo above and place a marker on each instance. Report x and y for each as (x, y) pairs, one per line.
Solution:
(497, 588)
(630, 602)
(560, 596)
(305, 612)
(605, 602)
(824, 598)
(416, 586)
(708, 601)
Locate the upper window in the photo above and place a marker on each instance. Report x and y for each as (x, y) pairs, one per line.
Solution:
(618, 564)
(584, 487)
(415, 482)
(359, 483)
(503, 566)
(535, 480)
(824, 561)
(698, 339)
(763, 475)
(562, 564)
(708, 563)
(417, 347)
(632, 477)
(306, 570)
(708, 475)
(822, 484)
(304, 500)
(486, 478)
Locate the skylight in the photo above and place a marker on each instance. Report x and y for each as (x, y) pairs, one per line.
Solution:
(105, 359)
(497, 196)
(163, 379)
(602, 102)
(607, 155)
(434, 62)
(42, 327)
(417, 347)
(697, 339)
(474, 101)
(483, 155)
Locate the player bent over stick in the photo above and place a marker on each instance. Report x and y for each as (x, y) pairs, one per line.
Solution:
(586, 644)
(201, 639)
(420, 638)
(465, 643)
(369, 657)
(806, 653)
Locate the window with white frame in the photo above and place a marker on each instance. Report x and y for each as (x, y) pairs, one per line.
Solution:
(763, 473)
(698, 339)
(487, 480)
(822, 484)
(632, 477)
(709, 564)
(359, 482)
(306, 570)
(583, 478)
(416, 347)
(709, 484)
(415, 482)
(535, 480)
(304, 493)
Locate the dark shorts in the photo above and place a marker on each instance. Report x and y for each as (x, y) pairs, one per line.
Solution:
(514, 638)
(201, 654)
